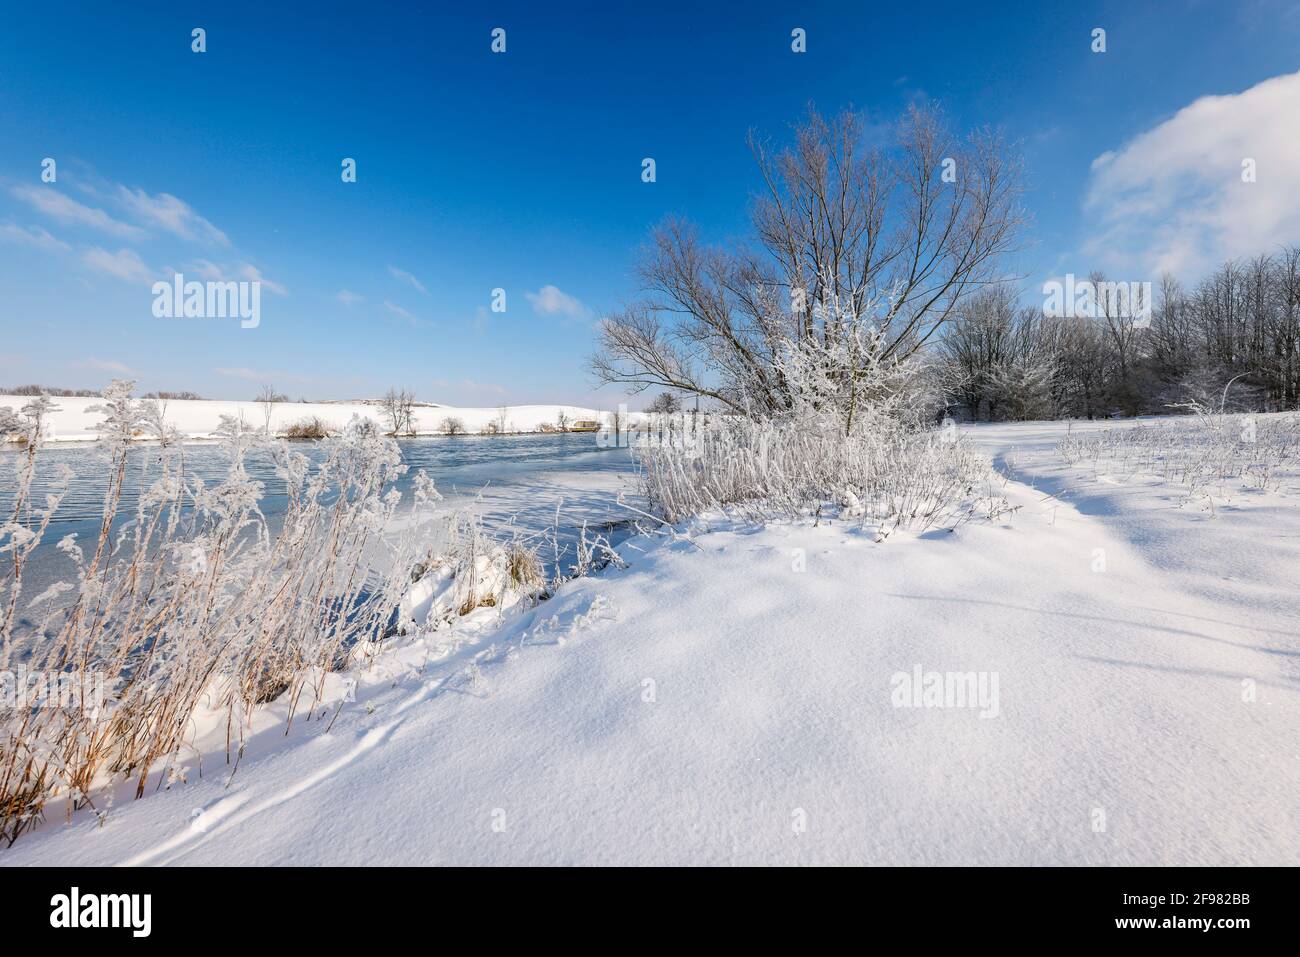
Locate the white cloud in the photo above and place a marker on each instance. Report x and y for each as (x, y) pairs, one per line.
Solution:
(252, 273)
(348, 297)
(468, 392)
(236, 271)
(171, 214)
(551, 301)
(405, 314)
(68, 210)
(208, 269)
(1173, 198)
(124, 264)
(107, 365)
(32, 236)
(240, 373)
(258, 375)
(405, 276)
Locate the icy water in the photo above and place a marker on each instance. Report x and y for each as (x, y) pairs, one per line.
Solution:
(527, 482)
(457, 465)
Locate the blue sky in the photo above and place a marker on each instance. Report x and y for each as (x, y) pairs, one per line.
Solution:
(522, 170)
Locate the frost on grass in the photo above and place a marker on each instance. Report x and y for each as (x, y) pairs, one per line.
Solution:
(1206, 455)
(856, 440)
(191, 602)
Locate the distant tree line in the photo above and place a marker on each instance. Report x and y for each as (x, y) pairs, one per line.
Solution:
(1238, 328)
(46, 390)
(88, 393)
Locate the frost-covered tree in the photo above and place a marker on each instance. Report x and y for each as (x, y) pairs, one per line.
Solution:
(856, 246)
(665, 403)
(995, 359)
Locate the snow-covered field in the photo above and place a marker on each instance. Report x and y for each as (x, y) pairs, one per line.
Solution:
(199, 418)
(739, 695)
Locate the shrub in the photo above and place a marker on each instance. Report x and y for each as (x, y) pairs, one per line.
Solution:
(852, 435)
(312, 427)
(891, 475)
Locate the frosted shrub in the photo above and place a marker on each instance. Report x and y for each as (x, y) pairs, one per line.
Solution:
(850, 437)
(890, 475)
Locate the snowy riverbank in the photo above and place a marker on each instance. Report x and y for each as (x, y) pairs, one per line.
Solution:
(746, 696)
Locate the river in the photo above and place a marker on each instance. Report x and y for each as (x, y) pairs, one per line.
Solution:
(525, 483)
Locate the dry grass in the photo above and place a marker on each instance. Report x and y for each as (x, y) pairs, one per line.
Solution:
(1208, 451)
(188, 603)
(525, 570)
(888, 474)
(191, 598)
(312, 427)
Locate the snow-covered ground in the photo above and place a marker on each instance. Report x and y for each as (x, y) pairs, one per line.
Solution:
(199, 418)
(738, 697)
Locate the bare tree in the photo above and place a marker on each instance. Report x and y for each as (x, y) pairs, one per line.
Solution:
(268, 398)
(1086, 363)
(666, 403)
(1285, 331)
(500, 419)
(616, 425)
(561, 421)
(452, 426)
(981, 341)
(1172, 334)
(862, 256)
(1126, 339)
(398, 409)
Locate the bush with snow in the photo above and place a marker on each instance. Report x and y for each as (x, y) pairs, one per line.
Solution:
(890, 477)
(854, 437)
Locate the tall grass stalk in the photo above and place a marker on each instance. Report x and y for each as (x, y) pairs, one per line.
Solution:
(192, 597)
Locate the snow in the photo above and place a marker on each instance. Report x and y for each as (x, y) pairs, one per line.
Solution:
(199, 418)
(731, 697)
